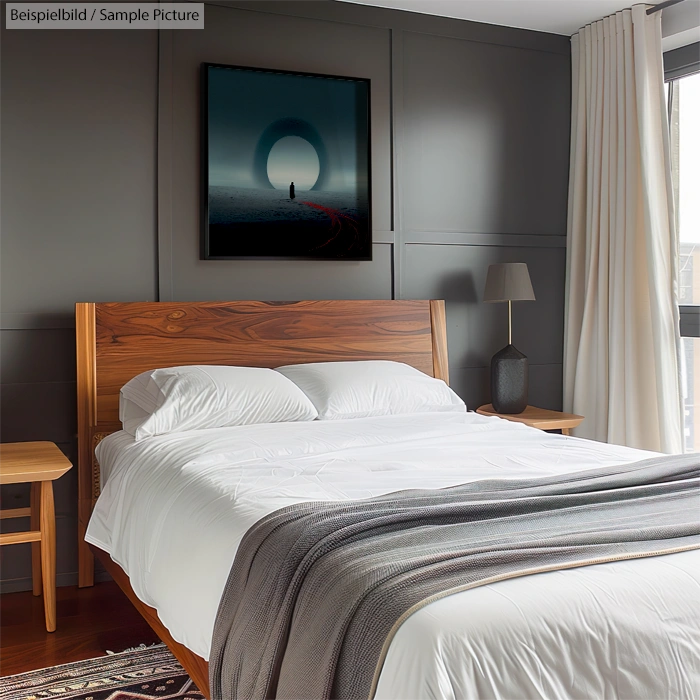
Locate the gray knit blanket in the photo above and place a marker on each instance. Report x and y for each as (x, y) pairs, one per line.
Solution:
(317, 590)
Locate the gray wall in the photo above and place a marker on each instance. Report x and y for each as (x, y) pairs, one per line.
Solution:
(78, 222)
(100, 178)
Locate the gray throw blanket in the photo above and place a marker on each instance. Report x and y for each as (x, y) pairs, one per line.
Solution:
(317, 590)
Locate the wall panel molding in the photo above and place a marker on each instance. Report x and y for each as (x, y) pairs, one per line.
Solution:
(397, 133)
(502, 240)
(165, 165)
(383, 237)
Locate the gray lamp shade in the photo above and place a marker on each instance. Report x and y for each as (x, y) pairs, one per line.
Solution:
(509, 381)
(508, 282)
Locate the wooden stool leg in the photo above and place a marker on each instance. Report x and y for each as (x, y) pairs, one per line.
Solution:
(565, 431)
(36, 546)
(48, 554)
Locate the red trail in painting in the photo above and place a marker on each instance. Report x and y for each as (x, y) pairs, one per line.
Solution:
(340, 223)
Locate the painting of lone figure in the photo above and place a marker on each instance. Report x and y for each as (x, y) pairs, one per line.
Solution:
(286, 165)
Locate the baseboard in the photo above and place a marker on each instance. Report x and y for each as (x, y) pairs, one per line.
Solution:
(15, 585)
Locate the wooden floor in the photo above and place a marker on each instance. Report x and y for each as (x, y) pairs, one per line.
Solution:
(89, 622)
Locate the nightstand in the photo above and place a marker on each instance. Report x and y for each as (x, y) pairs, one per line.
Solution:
(541, 418)
(37, 463)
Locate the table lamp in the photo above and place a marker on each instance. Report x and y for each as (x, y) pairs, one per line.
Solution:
(508, 282)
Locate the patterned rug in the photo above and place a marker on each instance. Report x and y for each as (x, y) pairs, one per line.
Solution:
(141, 674)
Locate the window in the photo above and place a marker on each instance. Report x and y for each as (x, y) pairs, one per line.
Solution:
(683, 94)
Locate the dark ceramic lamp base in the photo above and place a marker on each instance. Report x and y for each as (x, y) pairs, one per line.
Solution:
(509, 381)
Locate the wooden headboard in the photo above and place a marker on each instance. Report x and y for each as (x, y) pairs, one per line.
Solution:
(117, 341)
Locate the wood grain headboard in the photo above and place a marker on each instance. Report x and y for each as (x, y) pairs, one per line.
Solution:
(117, 341)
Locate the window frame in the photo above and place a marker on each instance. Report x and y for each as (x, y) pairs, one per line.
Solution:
(680, 63)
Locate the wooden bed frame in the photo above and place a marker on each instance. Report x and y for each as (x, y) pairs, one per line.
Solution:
(117, 341)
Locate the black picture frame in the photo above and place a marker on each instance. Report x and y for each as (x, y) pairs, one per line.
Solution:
(259, 127)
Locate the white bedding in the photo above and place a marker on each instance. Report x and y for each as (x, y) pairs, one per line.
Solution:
(174, 508)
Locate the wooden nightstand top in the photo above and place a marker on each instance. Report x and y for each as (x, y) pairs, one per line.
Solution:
(541, 418)
(23, 462)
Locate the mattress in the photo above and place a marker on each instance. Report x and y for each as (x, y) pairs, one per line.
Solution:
(174, 508)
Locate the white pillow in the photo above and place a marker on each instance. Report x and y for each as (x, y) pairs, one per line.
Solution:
(138, 398)
(201, 396)
(370, 388)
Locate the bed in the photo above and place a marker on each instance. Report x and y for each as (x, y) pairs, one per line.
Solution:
(602, 630)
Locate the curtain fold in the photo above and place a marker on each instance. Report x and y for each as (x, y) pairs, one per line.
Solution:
(621, 341)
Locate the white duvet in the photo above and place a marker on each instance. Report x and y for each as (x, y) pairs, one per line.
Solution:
(174, 508)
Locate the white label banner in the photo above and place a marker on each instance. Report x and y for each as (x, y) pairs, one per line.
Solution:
(112, 15)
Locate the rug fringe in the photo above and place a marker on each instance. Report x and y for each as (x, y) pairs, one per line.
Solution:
(139, 647)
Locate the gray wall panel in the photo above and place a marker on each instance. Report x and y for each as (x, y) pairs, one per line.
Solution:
(259, 279)
(233, 37)
(545, 385)
(78, 168)
(33, 356)
(476, 330)
(487, 137)
(44, 411)
(469, 164)
(78, 224)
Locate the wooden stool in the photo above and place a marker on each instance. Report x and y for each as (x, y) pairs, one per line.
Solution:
(38, 463)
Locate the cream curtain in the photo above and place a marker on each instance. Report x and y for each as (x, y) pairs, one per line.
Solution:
(622, 344)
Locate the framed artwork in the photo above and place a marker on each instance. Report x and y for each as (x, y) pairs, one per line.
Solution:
(285, 165)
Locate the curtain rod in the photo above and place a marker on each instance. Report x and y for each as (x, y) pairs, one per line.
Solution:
(662, 5)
